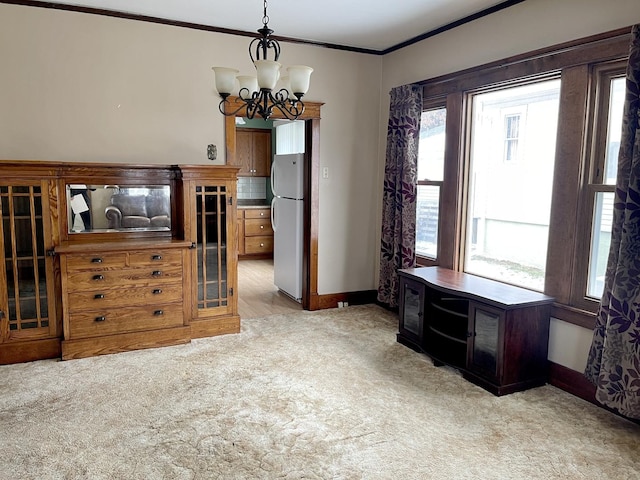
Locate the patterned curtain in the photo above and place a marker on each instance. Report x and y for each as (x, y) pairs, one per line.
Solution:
(399, 196)
(614, 359)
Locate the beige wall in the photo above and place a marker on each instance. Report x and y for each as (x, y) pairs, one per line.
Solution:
(521, 28)
(78, 87)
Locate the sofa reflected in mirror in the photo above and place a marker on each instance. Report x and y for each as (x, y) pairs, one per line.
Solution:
(100, 208)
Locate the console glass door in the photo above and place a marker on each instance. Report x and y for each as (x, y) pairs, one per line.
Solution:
(485, 340)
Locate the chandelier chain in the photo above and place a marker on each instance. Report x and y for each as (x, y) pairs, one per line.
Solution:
(265, 18)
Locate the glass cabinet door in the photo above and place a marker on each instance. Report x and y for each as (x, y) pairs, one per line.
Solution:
(411, 309)
(25, 296)
(484, 347)
(211, 244)
(212, 229)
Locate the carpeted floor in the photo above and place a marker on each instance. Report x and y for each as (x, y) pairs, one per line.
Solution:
(314, 395)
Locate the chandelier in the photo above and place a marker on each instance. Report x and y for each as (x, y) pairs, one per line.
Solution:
(258, 94)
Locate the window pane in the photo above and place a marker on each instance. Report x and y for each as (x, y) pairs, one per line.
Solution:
(512, 136)
(427, 209)
(430, 170)
(600, 242)
(431, 148)
(614, 130)
(509, 202)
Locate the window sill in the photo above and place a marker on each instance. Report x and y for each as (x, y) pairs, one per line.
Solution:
(576, 316)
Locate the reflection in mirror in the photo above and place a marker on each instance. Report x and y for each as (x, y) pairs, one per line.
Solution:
(104, 208)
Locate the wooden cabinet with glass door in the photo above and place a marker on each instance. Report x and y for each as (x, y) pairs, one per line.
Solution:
(211, 226)
(495, 334)
(175, 241)
(29, 325)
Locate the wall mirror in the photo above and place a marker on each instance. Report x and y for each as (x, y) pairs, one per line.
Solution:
(109, 208)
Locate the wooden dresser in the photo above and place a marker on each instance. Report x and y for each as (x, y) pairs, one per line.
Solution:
(122, 295)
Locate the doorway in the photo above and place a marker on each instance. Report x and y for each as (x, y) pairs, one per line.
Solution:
(311, 116)
(268, 286)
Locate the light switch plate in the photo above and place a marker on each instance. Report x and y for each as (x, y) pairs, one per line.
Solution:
(212, 152)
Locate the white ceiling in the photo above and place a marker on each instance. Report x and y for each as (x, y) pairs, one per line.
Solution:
(367, 24)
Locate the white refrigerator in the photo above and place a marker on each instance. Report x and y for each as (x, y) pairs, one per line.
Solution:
(287, 173)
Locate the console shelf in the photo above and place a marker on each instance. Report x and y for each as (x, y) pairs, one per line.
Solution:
(496, 334)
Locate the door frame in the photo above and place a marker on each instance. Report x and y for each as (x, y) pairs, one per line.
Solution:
(311, 116)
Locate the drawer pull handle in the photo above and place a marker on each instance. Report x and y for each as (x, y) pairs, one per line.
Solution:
(262, 244)
(96, 260)
(101, 318)
(98, 277)
(98, 296)
(157, 291)
(262, 214)
(156, 273)
(156, 257)
(261, 227)
(158, 313)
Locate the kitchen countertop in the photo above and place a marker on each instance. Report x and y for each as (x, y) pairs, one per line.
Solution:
(252, 204)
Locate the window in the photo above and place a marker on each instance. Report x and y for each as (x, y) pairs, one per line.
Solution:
(509, 204)
(430, 177)
(529, 170)
(511, 137)
(597, 215)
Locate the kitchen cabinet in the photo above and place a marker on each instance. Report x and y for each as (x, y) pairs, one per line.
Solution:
(495, 334)
(257, 233)
(253, 147)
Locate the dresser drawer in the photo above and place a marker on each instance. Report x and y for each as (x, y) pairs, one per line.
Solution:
(257, 213)
(104, 261)
(95, 281)
(107, 321)
(152, 257)
(258, 245)
(257, 226)
(124, 297)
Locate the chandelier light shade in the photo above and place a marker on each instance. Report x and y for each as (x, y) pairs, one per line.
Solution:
(268, 90)
(225, 78)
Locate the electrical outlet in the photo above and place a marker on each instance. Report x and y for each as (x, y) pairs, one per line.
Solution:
(325, 172)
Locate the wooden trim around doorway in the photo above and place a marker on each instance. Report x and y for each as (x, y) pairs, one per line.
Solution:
(352, 298)
(311, 116)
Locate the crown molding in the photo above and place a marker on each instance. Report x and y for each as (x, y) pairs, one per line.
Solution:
(228, 31)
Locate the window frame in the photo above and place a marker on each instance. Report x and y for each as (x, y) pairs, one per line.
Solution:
(576, 63)
(434, 104)
(466, 159)
(593, 181)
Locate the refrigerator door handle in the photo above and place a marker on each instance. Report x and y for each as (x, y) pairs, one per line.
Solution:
(273, 216)
(273, 187)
